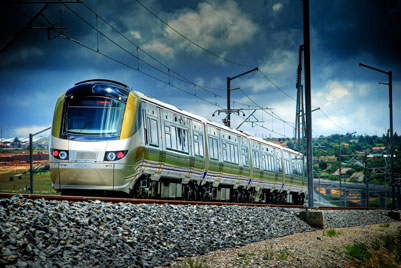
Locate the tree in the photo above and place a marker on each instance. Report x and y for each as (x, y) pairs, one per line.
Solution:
(322, 165)
(349, 172)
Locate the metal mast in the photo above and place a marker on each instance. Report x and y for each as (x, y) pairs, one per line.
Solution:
(299, 131)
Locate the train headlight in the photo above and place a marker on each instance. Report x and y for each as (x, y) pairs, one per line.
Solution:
(59, 154)
(63, 155)
(116, 155)
(111, 156)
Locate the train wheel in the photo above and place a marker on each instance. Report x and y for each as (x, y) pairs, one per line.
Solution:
(236, 196)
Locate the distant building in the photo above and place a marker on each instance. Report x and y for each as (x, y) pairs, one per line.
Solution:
(357, 176)
(343, 171)
(356, 163)
(326, 158)
(16, 144)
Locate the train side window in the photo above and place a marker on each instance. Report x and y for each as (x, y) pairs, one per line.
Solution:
(279, 164)
(176, 138)
(234, 153)
(263, 162)
(245, 156)
(198, 144)
(153, 132)
(225, 152)
(271, 163)
(213, 148)
(255, 159)
(173, 138)
(167, 132)
(182, 139)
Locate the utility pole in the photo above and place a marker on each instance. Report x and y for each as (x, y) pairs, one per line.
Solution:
(308, 101)
(299, 131)
(31, 156)
(339, 166)
(367, 179)
(228, 122)
(390, 89)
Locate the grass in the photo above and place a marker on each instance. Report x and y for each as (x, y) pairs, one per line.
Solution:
(18, 181)
(358, 252)
(189, 263)
(283, 254)
(330, 232)
(384, 225)
(268, 253)
(382, 253)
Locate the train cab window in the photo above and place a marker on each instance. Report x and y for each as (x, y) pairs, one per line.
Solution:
(153, 132)
(213, 148)
(93, 118)
(198, 144)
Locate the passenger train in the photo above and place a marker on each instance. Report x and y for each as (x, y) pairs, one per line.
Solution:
(108, 139)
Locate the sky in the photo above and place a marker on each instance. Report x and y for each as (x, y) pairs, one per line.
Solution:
(187, 53)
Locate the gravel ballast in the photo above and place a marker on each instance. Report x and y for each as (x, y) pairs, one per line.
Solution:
(40, 233)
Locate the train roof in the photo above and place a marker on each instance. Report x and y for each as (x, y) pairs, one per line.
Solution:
(209, 122)
(124, 89)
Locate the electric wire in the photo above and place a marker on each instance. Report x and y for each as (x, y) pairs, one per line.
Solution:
(275, 85)
(180, 77)
(187, 80)
(272, 113)
(133, 68)
(209, 51)
(328, 117)
(120, 62)
(189, 40)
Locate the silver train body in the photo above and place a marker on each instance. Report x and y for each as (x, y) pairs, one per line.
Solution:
(108, 139)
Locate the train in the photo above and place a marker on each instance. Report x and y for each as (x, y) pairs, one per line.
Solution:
(108, 139)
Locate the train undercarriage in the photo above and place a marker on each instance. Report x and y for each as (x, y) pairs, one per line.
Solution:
(167, 188)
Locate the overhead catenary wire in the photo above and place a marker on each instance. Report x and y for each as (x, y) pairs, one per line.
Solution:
(190, 40)
(209, 51)
(271, 113)
(148, 54)
(133, 68)
(328, 117)
(275, 85)
(167, 73)
(169, 69)
(153, 77)
(129, 66)
(182, 79)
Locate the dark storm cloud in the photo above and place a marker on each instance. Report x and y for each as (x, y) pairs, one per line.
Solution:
(265, 33)
(349, 28)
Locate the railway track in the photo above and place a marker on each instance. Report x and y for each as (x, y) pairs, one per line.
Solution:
(171, 202)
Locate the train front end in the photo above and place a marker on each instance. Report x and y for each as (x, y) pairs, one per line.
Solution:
(91, 147)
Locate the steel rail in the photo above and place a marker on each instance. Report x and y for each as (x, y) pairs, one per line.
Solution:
(165, 202)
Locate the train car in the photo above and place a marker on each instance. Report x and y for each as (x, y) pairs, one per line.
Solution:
(108, 139)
